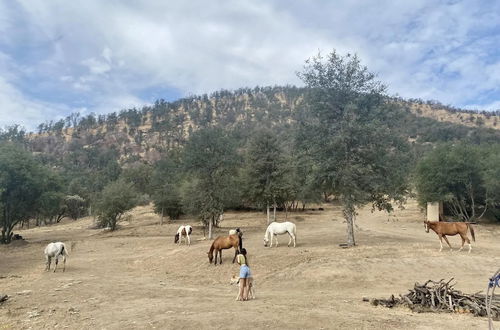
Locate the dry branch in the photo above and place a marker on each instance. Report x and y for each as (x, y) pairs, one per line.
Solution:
(442, 297)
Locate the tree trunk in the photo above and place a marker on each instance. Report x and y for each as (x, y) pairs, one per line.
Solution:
(268, 214)
(210, 228)
(349, 215)
(274, 211)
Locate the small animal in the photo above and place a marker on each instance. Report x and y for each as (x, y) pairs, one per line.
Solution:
(251, 292)
(55, 250)
(183, 231)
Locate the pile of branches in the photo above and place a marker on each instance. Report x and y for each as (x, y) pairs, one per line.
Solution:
(441, 297)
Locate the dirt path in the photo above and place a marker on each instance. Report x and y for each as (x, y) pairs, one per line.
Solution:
(137, 278)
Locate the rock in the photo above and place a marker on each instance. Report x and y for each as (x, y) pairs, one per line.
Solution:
(24, 292)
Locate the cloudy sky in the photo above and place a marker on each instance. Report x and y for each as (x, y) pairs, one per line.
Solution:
(59, 56)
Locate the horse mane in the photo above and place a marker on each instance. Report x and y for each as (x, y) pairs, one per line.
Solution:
(212, 247)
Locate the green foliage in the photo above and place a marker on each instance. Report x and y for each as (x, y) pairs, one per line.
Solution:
(268, 173)
(139, 175)
(116, 198)
(165, 185)
(465, 176)
(347, 132)
(74, 206)
(211, 160)
(22, 185)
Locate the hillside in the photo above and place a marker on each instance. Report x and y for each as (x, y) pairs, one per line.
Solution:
(145, 134)
(138, 278)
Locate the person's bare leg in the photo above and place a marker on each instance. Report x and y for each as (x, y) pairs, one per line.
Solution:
(243, 284)
(247, 289)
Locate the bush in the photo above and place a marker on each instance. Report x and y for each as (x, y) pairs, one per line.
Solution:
(117, 198)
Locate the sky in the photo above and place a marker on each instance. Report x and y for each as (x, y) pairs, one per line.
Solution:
(59, 56)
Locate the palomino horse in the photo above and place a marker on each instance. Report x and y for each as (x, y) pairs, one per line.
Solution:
(183, 231)
(221, 243)
(451, 229)
(279, 228)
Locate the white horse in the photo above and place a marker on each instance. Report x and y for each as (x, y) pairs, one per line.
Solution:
(279, 228)
(183, 231)
(54, 250)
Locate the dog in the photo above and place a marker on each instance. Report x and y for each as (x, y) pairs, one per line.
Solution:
(251, 292)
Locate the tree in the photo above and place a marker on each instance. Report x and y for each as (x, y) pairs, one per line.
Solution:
(456, 175)
(347, 132)
(165, 185)
(74, 206)
(211, 159)
(264, 170)
(117, 198)
(139, 175)
(21, 186)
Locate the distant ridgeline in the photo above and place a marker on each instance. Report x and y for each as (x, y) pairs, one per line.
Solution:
(146, 134)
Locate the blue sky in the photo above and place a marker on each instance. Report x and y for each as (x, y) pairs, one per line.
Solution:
(58, 57)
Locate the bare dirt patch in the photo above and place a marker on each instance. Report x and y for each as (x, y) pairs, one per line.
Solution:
(137, 278)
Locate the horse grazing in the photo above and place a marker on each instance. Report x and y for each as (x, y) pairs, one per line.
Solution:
(279, 228)
(183, 231)
(451, 229)
(221, 243)
(54, 250)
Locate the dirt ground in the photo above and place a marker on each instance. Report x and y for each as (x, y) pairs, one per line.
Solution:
(136, 278)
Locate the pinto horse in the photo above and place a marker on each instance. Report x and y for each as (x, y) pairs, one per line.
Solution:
(451, 229)
(221, 243)
(183, 231)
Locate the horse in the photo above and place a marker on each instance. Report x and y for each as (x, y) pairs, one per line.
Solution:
(451, 229)
(221, 243)
(238, 232)
(54, 250)
(183, 231)
(279, 228)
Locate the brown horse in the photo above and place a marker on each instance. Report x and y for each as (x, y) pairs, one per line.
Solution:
(221, 243)
(451, 229)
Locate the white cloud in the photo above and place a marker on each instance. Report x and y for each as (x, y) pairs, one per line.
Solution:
(104, 53)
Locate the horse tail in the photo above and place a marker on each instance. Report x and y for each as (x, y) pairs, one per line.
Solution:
(176, 238)
(471, 231)
(240, 242)
(64, 251)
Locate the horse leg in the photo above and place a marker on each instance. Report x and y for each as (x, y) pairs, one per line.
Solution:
(463, 241)
(276, 237)
(441, 242)
(220, 257)
(189, 240)
(235, 253)
(289, 239)
(468, 242)
(47, 264)
(446, 239)
(293, 236)
(64, 263)
(57, 261)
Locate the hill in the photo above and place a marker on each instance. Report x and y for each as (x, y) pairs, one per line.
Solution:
(145, 134)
